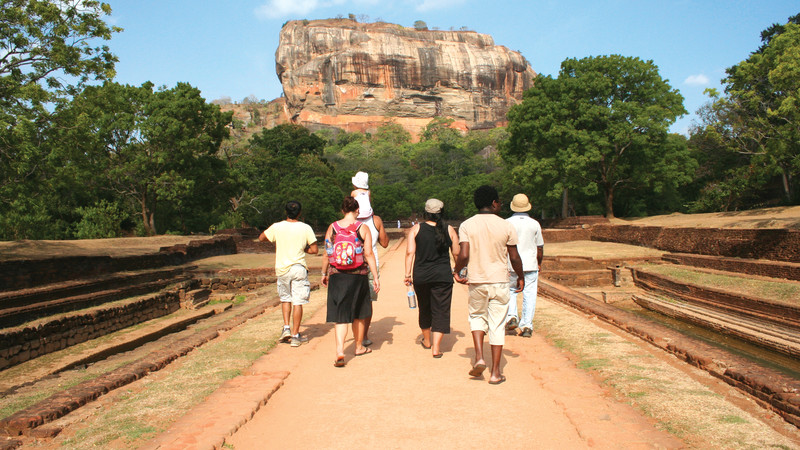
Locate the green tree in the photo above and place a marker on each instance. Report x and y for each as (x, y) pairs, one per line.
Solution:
(47, 52)
(155, 148)
(759, 117)
(601, 125)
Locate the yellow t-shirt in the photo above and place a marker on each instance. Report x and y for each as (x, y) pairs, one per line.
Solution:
(291, 240)
(488, 235)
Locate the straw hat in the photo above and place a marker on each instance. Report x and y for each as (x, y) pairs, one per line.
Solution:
(520, 203)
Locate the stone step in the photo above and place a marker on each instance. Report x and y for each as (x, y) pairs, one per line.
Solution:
(72, 288)
(779, 313)
(14, 316)
(766, 334)
(195, 299)
(53, 333)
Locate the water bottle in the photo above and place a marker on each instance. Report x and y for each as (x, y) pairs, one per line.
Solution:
(463, 273)
(412, 298)
(328, 247)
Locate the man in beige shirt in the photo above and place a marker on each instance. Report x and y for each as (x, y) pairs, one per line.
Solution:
(488, 243)
(293, 239)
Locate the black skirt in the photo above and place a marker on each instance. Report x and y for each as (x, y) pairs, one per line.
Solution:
(348, 298)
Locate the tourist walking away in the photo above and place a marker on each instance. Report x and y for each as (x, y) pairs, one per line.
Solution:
(428, 268)
(362, 194)
(379, 236)
(487, 244)
(530, 246)
(344, 272)
(293, 239)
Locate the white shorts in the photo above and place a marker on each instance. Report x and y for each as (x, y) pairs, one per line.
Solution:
(293, 286)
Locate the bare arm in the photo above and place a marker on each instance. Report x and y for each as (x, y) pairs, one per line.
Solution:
(411, 251)
(312, 249)
(516, 264)
(455, 249)
(369, 256)
(325, 261)
(383, 238)
(461, 262)
(539, 256)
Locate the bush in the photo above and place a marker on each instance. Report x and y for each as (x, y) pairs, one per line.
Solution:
(104, 220)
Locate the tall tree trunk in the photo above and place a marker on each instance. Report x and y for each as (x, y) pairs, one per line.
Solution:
(610, 203)
(564, 203)
(787, 184)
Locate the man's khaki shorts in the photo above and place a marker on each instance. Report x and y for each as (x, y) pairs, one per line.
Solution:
(293, 286)
(488, 306)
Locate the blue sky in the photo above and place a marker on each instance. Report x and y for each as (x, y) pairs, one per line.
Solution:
(227, 48)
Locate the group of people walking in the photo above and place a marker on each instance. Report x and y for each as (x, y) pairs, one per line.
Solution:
(497, 258)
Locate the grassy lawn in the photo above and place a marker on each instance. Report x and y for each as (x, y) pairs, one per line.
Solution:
(781, 291)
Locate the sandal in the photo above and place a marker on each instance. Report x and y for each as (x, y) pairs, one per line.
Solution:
(339, 362)
(438, 355)
(366, 350)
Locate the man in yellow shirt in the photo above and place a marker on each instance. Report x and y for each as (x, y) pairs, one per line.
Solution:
(293, 239)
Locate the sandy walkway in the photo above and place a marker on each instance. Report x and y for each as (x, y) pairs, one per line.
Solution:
(401, 397)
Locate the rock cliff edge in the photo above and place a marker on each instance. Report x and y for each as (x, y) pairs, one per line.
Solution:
(355, 76)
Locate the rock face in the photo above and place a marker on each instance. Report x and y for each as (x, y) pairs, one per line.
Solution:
(344, 74)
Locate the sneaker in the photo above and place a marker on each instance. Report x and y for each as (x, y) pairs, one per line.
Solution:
(286, 335)
(298, 340)
(511, 324)
(527, 332)
(366, 343)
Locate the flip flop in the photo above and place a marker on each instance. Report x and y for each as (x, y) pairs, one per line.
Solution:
(477, 370)
(368, 350)
(339, 362)
(438, 355)
(422, 343)
(502, 378)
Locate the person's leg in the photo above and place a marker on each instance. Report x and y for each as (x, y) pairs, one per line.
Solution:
(285, 294)
(286, 308)
(512, 302)
(497, 310)
(423, 292)
(478, 323)
(297, 317)
(529, 299)
(358, 332)
(440, 299)
(374, 297)
(340, 331)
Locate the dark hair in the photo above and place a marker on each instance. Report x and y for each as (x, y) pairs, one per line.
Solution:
(441, 230)
(293, 209)
(484, 196)
(349, 204)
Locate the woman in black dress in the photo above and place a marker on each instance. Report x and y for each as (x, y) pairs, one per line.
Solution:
(348, 290)
(428, 268)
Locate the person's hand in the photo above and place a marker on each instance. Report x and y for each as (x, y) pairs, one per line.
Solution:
(520, 285)
(376, 283)
(459, 279)
(407, 281)
(325, 280)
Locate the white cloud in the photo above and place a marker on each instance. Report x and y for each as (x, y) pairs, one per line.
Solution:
(430, 5)
(697, 80)
(275, 9)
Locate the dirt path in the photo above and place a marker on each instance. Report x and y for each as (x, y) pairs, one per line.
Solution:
(400, 397)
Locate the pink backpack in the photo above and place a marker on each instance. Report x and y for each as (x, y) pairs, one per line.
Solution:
(348, 251)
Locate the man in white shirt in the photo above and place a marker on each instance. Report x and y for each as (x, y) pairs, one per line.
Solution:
(531, 250)
(293, 239)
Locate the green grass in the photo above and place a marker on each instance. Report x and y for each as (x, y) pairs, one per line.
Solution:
(782, 291)
(732, 419)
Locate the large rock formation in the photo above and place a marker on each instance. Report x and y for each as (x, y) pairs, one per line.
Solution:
(344, 74)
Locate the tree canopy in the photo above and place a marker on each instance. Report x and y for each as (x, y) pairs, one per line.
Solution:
(601, 125)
